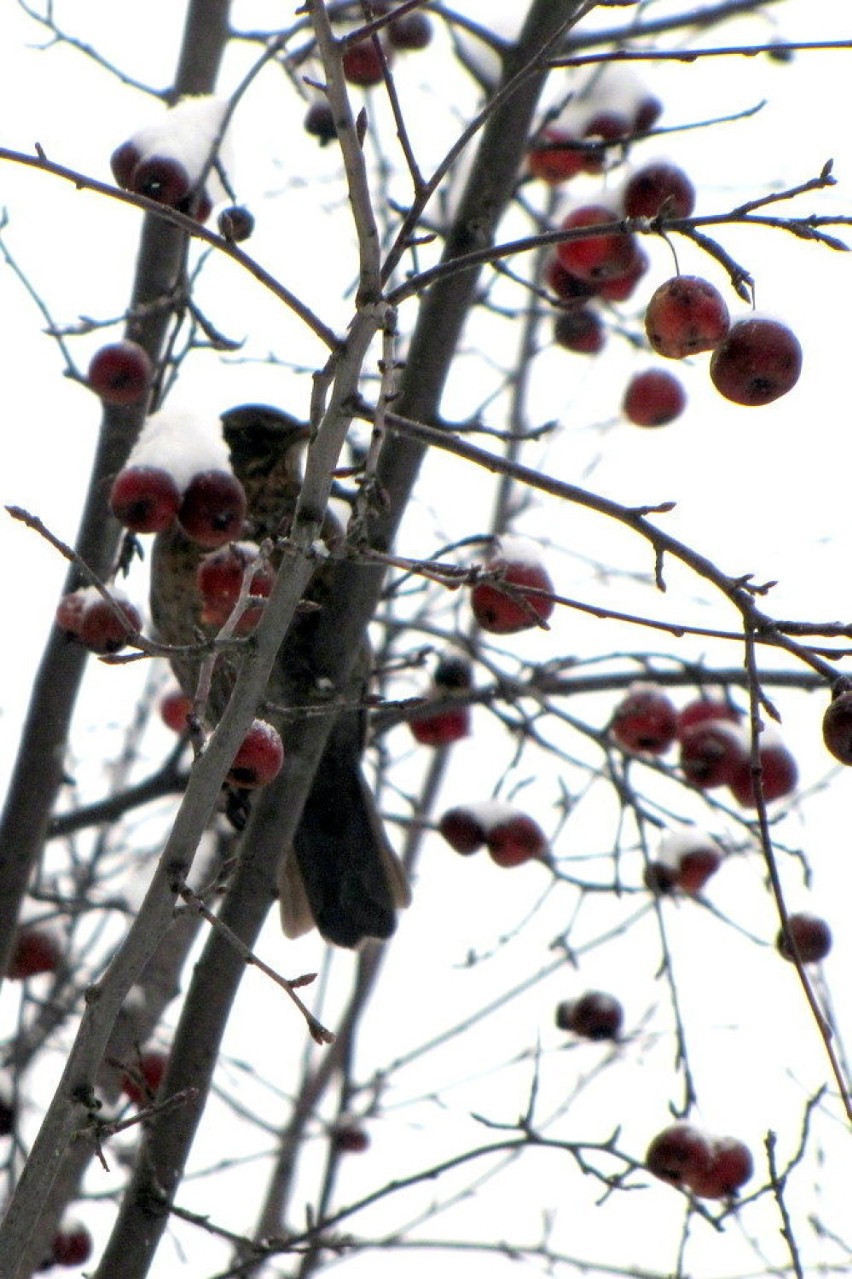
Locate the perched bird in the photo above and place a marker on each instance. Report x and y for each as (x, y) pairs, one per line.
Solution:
(341, 872)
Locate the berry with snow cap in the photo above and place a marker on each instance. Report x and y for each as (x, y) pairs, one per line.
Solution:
(145, 499)
(259, 759)
(519, 605)
(644, 720)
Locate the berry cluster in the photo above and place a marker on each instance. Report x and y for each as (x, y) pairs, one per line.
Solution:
(85, 615)
(167, 161)
(715, 747)
(711, 1167)
(510, 835)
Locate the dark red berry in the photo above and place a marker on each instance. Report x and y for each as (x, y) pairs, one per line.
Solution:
(259, 759)
(579, 329)
(712, 752)
(516, 608)
(596, 258)
(144, 499)
(837, 727)
(36, 950)
(120, 373)
(644, 721)
(653, 398)
(363, 64)
(235, 223)
(680, 1154)
(442, 727)
(163, 179)
(686, 315)
(731, 1165)
(462, 830)
(410, 31)
(811, 934)
(758, 361)
(595, 1015)
(102, 629)
(515, 840)
(142, 1083)
(659, 188)
(72, 1245)
(213, 508)
(319, 122)
(779, 776)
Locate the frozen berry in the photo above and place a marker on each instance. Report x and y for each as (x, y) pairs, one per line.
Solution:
(731, 1165)
(837, 727)
(653, 398)
(645, 720)
(554, 156)
(515, 840)
(657, 188)
(161, 178)
(36, 950)
(811, 934)
(235, 223)
(259, 759)
(213, 509)
(175, 708)
(684, 316)
(595, 1015)
(72, 1244)
(779, 775)
(102, 630)
(515, 596)
(120, 373)
(144, 499)
(579, 329)
(758, 361)
(712, 752)
(410, 31)
(363, 64)
(680, 1154)
(463, 830)
(596, 257)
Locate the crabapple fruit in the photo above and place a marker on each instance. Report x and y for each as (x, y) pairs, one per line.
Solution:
(731, 1165)
(235, 223)
(684, 316)
(72, 1244)
(220, 578)
(363, 64)
(514, 600)
(658, 187)
(319, 122)
(712, 752)
(515, 840)
(554, 156)
(36, 951)
(145, 499)
(702, 709)
(463, 830)
(811, 935)
(175, 708)
(102, 630)
(410, 31)
(213, 508)
(779, 775)
(837, 727)
(259, 759)
(161, 178)
(596, 258)
(442, 727)
(348, 1137)
(653, 398)
(680, 1154)
(142, 1083)
(579, 329)
(595, 1015)
(120, 373)
(758, 361)
(645, 720)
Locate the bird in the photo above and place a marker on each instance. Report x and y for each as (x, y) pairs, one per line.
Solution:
(341, 872)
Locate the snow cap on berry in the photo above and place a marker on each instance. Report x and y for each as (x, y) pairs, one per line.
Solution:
(182, 443)
(187, 133)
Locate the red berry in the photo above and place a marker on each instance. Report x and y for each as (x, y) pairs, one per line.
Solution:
(579, 329)
(142, 1084)
(72, 1245)
(235, 223)
(697, 865)
(69, 611)
(220, 577)
(515, 840)
(702, 709)
(679, 1154)
(120, 373)
(684, 316)
(102, 630)
(596, 257)
(36, 951)
(594, 1015)
(712, 752)
(811, 934)
(123, 161)
(363, 64)
(653, 398)
(443, 727)
(349, 1137)
(568, 287)
(758, 361)
(644, 721)
(731, 1165)
(659, 188)
(462, 830)
(517, 607)
(144, 499)
(779, 775)
(175, 708)
(622, 288)
(163, 179)
(554, 156)
(319, 122)
(837, 727)
(259, 759)
(410, 31)
(647, 113)
(213, 509)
